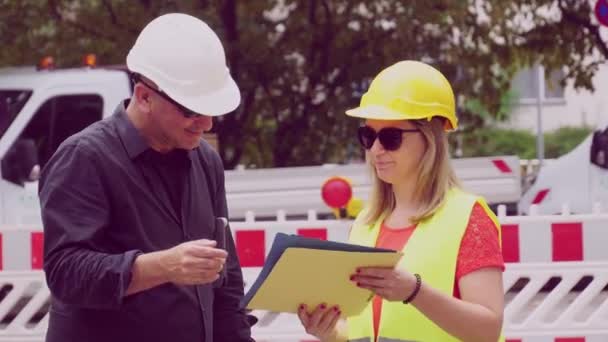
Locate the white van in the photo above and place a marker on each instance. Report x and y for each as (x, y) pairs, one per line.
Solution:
(38, 110)
(577, 182)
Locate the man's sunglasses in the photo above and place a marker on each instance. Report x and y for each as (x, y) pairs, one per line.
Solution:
(187, 113)
(390, 137)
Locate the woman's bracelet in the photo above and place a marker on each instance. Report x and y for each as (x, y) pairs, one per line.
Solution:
(416, 289)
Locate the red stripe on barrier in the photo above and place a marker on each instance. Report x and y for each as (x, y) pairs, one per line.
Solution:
(511, 340)
(540, 196)
(315, 233)
(567, 241)
(251, 247)
(570, 339)
(37, 250)
(502, 166)
(510, 242)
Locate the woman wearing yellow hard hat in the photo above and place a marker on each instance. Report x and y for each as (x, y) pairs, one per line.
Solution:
(448, 285)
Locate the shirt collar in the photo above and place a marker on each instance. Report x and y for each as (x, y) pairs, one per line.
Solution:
(134, 142)
(131, 138)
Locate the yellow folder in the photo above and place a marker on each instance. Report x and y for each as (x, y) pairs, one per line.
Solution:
(315, 276)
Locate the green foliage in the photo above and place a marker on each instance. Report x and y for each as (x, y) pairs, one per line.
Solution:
(477, 108)
(301, 63)
(564, 140)
(495, 141)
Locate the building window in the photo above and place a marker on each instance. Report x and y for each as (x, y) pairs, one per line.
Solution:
(524, 86)
(554, 90)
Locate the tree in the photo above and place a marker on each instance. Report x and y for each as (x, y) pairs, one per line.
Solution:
(565, 35)
(301, 63)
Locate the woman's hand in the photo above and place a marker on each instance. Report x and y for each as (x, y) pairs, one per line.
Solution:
(320, 323)
(390, 284)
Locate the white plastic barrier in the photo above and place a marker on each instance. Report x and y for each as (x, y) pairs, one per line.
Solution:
(23, 306)
(562, 313)
(296, 188)
(566, 299)
(539, 251)
(556, 281)
(531, 314)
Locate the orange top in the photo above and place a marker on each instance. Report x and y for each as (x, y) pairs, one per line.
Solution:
(479, 248)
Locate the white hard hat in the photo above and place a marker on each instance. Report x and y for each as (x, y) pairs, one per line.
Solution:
(186, 60)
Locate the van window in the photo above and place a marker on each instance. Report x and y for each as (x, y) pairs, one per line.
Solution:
(11, 103)
(56, 120)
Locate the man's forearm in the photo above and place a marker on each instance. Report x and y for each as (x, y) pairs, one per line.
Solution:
(89, 279)
(147, 272)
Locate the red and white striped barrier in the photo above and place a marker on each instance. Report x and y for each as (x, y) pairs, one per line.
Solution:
(525, 239)
(556, 282)
(254, 239)
(21, 248)
(555, 238)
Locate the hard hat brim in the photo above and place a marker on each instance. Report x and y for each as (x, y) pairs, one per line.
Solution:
(376, 112)
(219, 102)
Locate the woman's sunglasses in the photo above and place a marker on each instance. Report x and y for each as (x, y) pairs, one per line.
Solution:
(187, 113)
(390, 137)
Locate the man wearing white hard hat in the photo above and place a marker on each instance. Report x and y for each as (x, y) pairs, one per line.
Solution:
(134, 207)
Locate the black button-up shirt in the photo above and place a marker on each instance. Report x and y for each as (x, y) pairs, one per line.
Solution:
(166, 174)
(100, 209)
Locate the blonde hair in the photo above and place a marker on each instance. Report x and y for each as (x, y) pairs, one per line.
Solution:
(435, 177)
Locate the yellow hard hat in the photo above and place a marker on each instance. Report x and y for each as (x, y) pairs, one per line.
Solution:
(408, 90)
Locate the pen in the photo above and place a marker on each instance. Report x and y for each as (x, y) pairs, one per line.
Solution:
(221, 228)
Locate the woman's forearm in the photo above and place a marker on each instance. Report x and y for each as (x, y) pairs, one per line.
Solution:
(466, 321)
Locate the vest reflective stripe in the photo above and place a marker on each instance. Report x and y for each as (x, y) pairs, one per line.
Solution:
(431, 251)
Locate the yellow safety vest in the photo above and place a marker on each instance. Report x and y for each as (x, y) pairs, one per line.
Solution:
(432, 252)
